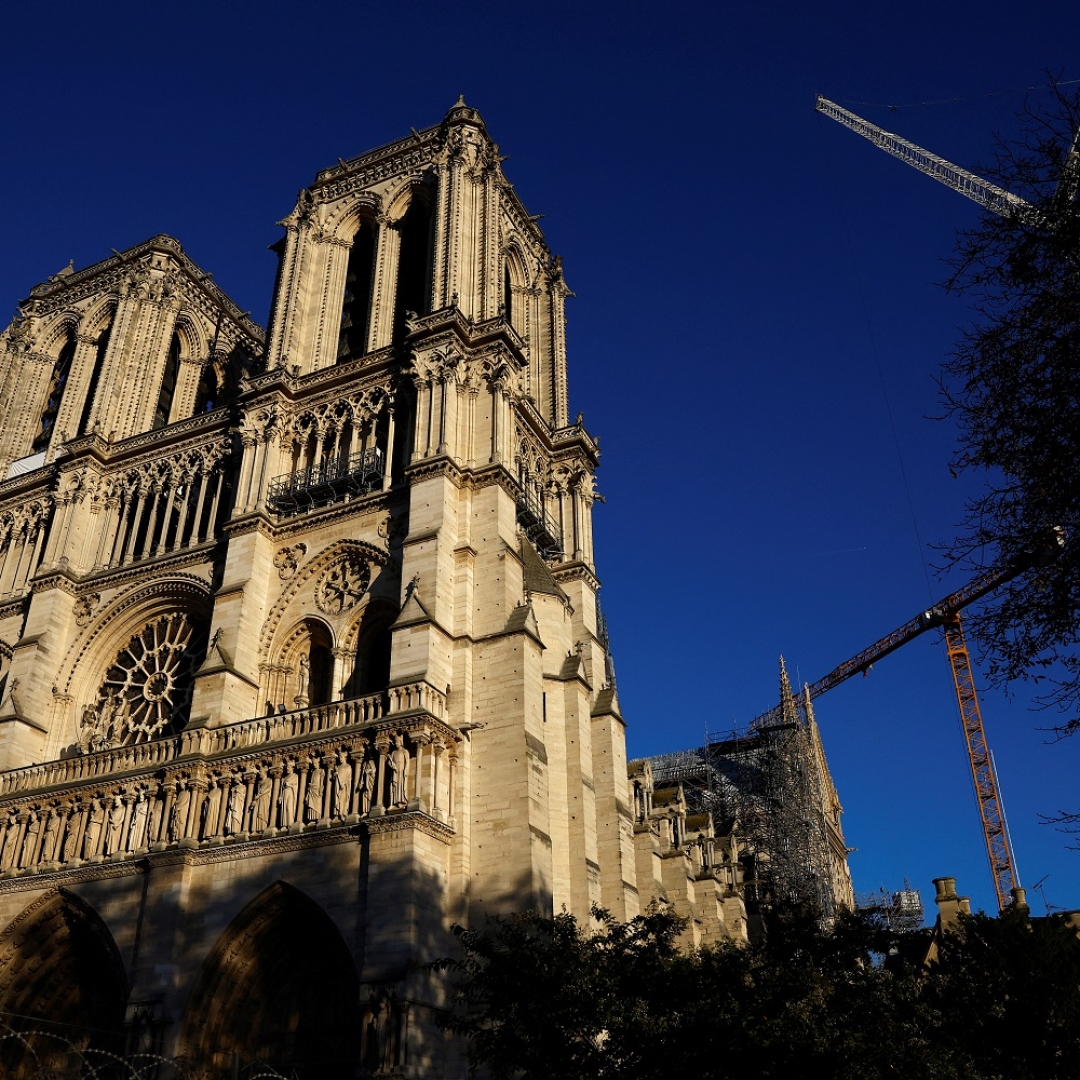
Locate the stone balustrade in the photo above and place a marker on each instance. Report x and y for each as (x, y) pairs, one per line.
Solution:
(287, 773)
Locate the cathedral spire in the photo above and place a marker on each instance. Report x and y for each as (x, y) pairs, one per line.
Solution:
(787, 699)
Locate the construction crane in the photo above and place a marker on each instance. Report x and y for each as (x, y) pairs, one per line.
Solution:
(986, 194)
(946, 615)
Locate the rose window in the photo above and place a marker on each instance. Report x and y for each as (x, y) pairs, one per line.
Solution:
(343, 586)
(147, 691)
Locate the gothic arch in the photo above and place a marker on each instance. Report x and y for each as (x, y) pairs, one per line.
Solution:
(279, 988)
(408, 191)
(367, 641)
(311, 639)
(313, 568)
(348, 215)
(94, 651)
(193, 343)
(59, 963)
(52, 336)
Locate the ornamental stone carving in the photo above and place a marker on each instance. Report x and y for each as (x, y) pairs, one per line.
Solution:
(287, 559)
(343, 586)
(85, 607)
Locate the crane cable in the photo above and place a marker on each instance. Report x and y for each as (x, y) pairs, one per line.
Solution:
(868, 323)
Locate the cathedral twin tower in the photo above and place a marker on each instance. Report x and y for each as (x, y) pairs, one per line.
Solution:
(301, 659)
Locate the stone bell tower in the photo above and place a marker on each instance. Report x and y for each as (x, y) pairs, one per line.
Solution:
(300, 641)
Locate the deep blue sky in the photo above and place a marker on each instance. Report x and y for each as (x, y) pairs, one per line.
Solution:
(755, 298)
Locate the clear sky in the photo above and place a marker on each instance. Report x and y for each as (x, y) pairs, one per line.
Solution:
(754, 337)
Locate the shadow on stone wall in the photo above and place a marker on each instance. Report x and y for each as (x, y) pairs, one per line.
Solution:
(306, 963)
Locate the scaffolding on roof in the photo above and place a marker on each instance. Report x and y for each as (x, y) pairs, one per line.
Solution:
(770, 782)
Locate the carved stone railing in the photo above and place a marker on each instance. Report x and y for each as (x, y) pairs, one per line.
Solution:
(283, 774)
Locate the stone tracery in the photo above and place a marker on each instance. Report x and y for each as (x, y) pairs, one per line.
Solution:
(147, 690)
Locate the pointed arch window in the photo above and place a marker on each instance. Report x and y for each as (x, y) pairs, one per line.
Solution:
(356, 305)
(58, 381)
(207, 396)
(168, 384)
(91, 391)
(413, 293)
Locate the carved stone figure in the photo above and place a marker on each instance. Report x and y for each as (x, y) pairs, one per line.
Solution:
(234, 808)
(52, 836)
(137, 829)
(88, 726)
(313, 800)
(290, 784)
(302, 675)
(94, 822)
(260, 803)
(10, 836)
(30, 839)
(179, 817)
(115, 831)
(211, 809)
(71, 837)
(398, 763)
(157, 809)
(343, 784)
(367, 784)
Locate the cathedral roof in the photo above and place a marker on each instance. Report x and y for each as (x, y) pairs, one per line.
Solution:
(538, 578)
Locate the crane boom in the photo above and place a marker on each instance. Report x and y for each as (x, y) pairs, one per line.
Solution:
(986, 194)
(946, 614)
(982, 768)
(925, 620)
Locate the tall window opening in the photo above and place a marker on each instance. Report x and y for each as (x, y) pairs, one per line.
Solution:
(58, 381)
(168, 384)
(91, 391)
(414, 265)
(321, 660)
(508, 297)
(356, 307)
(372, 670)
(207, 395)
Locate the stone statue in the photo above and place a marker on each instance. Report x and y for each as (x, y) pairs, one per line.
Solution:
(52, 835)
(234, 808)
(137, 828)
(71, 837)
(115, 831)
(260, 803)
(302, 675)
(88, 729)
(290, 784)
(30, 839)
(398, 764)
(10, 837)
(94, 822)
(343, 783)
(157, 809)
(313, 800)
(211, 810)
(179, 817)
(367, 784)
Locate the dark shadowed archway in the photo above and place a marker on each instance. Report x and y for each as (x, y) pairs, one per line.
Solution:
(280, 989)
(62, 990)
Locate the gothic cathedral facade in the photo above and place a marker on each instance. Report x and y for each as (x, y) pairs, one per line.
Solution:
(301, 655)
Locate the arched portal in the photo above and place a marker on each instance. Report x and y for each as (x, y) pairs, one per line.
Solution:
(279, 989)
(62, 991)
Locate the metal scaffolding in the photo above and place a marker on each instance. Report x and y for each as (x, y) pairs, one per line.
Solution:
(767, 783)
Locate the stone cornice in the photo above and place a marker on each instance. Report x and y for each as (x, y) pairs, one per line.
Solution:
(413, 819)
(575, 571)
(361, 373)
(152, 568)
